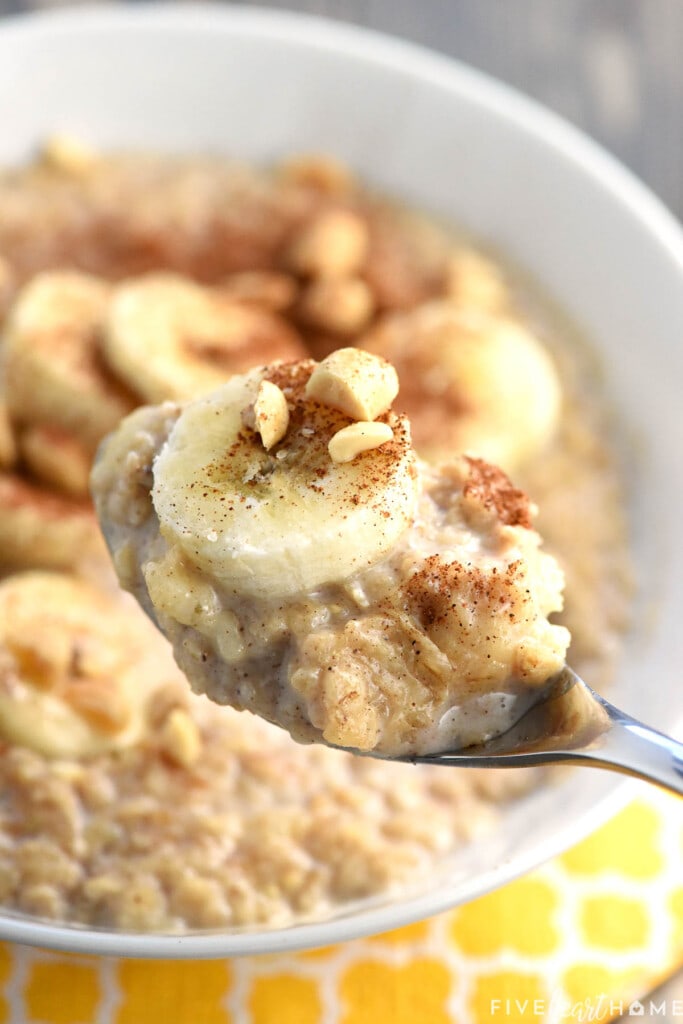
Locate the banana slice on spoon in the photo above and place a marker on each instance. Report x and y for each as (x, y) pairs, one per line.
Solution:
(306, 566)
(284, 521)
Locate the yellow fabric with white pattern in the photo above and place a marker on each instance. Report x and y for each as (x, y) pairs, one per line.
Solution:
(578, 939)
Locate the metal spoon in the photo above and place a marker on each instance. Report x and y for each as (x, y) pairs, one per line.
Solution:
(573, 723)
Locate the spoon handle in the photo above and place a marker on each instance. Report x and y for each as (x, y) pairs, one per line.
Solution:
(633, 748)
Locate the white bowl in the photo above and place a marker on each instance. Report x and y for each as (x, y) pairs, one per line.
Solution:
(258, 84)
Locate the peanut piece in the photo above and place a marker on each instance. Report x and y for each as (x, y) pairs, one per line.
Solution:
(343, 305)
(180, 738)
(332, 244)
(99, 702)
(323, 173)
(359, 384)
(265, 288)
(356, 438)
(69, 154)
(271, 414)
(473, 280)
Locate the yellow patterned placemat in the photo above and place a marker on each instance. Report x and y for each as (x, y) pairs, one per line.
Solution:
(578, 939)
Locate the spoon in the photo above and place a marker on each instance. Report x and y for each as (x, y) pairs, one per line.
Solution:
(573, 723)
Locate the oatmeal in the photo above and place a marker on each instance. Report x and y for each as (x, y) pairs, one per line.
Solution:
(332, 583)
(209, 817)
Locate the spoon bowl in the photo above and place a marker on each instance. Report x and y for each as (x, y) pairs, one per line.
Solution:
(572, 723)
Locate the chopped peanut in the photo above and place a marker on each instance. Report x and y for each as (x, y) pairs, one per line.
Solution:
(271, 414)
(343, 305)
(472, 280)
(266, 288)
(69, 154)
(356, 438)
(333, 244)
(99, 702)
(180, 738)
(323, 173)
(357, 383)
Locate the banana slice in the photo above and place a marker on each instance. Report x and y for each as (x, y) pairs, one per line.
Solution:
(78, 667)
(470, 382)
(53, 369)
(172, 339)
(39, 528)
(281, 521)
(56, 458)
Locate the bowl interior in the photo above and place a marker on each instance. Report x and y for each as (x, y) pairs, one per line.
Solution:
(256, 84)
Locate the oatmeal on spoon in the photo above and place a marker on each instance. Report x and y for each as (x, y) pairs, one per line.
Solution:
(307, 566)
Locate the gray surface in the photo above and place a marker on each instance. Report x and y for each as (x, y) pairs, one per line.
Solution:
(613, 67)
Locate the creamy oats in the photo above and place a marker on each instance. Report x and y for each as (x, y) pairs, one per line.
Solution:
(210, 817)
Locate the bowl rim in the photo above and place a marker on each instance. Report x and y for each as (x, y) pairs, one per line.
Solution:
(328, 34)
(412, 60)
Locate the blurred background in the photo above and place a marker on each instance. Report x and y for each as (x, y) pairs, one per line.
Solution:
(613, 67)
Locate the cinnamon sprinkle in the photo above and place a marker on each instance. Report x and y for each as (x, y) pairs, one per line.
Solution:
(438, 587)
(490, 487)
